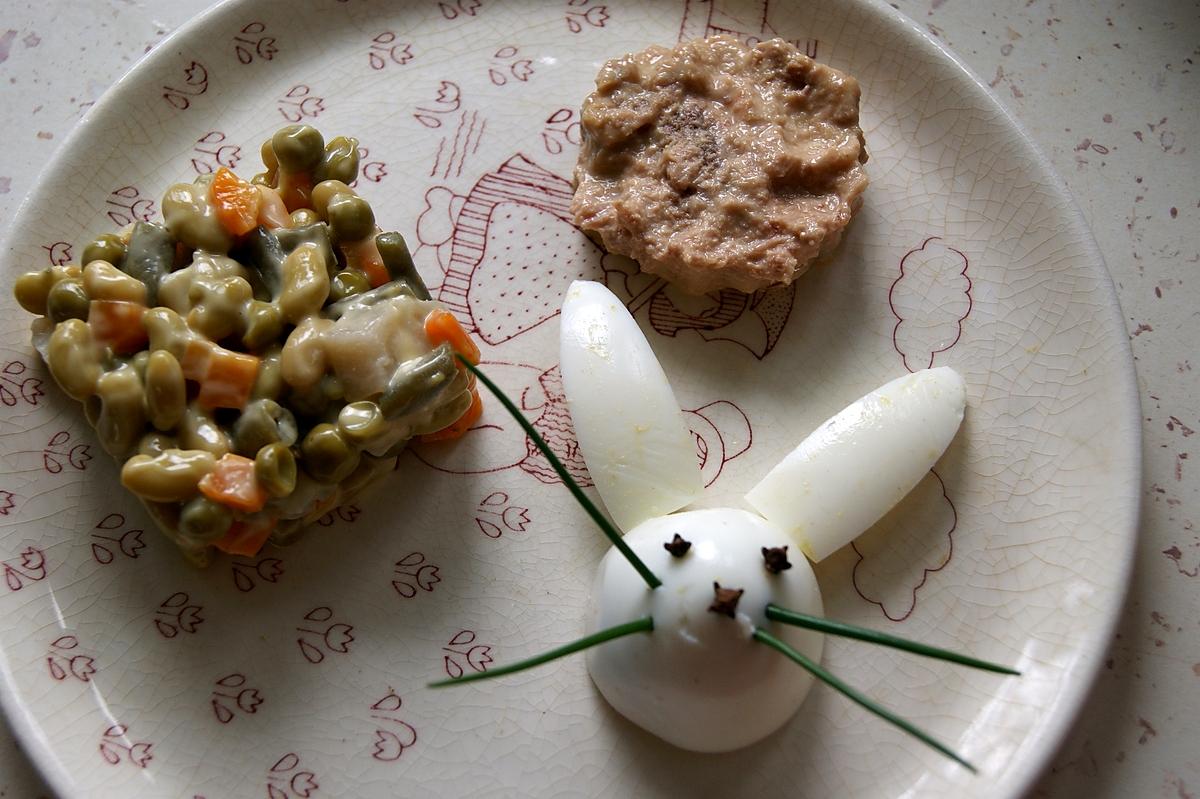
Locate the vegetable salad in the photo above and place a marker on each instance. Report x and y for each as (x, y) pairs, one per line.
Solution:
(259, 356)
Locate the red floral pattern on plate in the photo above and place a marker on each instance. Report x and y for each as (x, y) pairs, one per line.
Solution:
(389, 743)
(65, 659)
(323, 636)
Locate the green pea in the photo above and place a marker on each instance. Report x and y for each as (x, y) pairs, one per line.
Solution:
(167, 330)
(155, 444)
(199, 431)
(298, 148)
(269, 382)
(325, 191)
(263, 422)
(340, 161)
(67, 300)
(350, 217)
(92, 407)
(105, 247)
(359, 422)
(264, 325)
(139, 363)
(32, 290)
(347, 283)
(73, 359)
(166, 392)
(393, 249)
(122, 415)
(172, 476)
(328, 457)
(303, 217)
(204, 520)
(275, 469)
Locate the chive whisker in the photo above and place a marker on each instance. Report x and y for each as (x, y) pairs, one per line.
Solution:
(614, 535)
(785, 616)
(853, 695)
(644, 624)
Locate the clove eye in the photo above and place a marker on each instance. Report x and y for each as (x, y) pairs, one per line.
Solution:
(775, 559)
(725, 600)
(677, 546)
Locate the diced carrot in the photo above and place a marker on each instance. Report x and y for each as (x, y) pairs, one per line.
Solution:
(118, 323)
(460, 426)
(197, 353)
(235, 201)
(442, 327)
(229, 379)
(272, 213)
(233, 483)
(245, 538)
(364, 256)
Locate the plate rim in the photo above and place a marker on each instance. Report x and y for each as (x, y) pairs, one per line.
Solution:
(1087, 665)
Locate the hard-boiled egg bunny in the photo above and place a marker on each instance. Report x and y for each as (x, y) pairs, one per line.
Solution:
(705, 614)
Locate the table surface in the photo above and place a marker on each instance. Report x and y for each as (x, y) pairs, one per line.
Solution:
(1109, 90)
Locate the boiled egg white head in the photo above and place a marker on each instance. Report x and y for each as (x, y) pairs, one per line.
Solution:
(698, 680)
(630, 429)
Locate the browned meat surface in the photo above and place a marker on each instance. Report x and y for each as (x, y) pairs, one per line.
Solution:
(717, 165)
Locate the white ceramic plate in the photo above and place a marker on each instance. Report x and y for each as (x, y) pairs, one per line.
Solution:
(301, 672)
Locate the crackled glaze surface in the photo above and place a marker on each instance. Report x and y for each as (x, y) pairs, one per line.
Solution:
(301, 672)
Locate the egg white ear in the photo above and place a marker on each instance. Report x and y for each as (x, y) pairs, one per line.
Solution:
(853, 468)
(631, 431)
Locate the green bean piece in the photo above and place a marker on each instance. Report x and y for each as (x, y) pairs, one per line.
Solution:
(166, 392)
(303, 217)
(317, 233)
(398, 260)
(275, 469)
(350, 218)
(298, 148)
(172, 476)
(105, 247)
(418, 383)
(446, 414)
(32, 290)
(204, 520)
(361, 421)
(263, 422)
(150, 256)
(264, 325)
(262, 253)
(167, 330)
(328, 457)
(325, 191)
(67, 300)
(388, 291)
(340, 161)
(347, 283)
(156, 443)
(74, 359)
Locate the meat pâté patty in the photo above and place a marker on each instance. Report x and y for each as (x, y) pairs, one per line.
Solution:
(718, 165)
